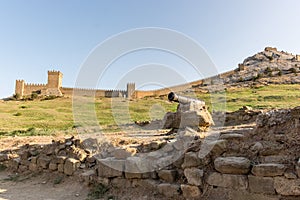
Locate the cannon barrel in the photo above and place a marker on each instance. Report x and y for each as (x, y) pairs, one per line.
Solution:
(181, 99)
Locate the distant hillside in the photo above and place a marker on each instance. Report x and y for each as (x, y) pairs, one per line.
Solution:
(269, 66)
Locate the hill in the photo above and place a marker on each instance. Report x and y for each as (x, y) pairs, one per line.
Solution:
(268, 79)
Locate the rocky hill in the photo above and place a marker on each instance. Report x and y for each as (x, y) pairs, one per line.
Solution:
(268, 66)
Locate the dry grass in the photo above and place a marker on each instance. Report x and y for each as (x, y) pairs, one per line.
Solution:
(47, 117)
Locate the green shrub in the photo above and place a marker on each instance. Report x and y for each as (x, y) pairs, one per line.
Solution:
(97, 192)
(17, 96)
(34, 96)
(17, 114)
(50, 97)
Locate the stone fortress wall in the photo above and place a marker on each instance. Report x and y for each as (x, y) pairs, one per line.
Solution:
(270, 58)
(54, 87)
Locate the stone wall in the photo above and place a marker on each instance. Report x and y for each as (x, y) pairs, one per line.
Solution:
(244, 115)
(239, 164)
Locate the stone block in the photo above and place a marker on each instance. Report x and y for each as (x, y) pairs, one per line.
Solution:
(191, 160)
(25, 155)
(287, 187)
(168, 190)
(23, 168)
(86, 176)
(274, 159)
(214, 147)
(121, 183)
(245, 195)
(232, 165)
(168, 175)
(121, 153)
(298, 171)
(191, 192)
(194, 176)
(33, 167)
(290, 175)
(60, 168)
(14, 164)
(43, 162)
(110, 167)
(147, 184)
(70, 166)
(262, 185)
(189, 119)
(33, 160)
(268, 169)
(4, 157)
(143, 165)
(228, 181)
(216, 193)
(53, 166)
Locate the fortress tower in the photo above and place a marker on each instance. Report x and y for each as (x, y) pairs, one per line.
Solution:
(54, 79)
(130, 90)
(54, 83)
(20, 86)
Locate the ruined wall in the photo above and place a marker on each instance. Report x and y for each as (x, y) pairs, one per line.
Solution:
(242, 163)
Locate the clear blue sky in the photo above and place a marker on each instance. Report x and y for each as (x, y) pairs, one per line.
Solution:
(39, 35)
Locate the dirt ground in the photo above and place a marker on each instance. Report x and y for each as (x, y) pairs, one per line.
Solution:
(40, 187)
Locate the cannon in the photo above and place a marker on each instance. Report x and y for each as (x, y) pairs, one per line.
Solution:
(181, 99)
(191, 113)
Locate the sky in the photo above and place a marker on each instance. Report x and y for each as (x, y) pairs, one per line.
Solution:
(39, 35)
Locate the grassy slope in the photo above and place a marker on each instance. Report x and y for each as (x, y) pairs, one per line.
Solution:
(53, 115)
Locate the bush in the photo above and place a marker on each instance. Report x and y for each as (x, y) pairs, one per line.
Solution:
(34, 96)
(97, 192)
(17, 96)
(50, 97)
(17, 114)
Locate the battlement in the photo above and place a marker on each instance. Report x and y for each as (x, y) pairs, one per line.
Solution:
(35, 84)
(54, 72)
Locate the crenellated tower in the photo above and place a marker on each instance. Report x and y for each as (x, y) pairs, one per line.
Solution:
(54, 79)
(20, 87)
(54, 83)
(130, 90)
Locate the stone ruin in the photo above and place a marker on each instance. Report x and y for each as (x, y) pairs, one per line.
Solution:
(249, 161)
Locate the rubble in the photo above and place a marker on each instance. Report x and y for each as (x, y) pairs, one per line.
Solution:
(240, 163)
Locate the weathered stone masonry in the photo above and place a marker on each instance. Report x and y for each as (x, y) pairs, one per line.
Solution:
(256, 163)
